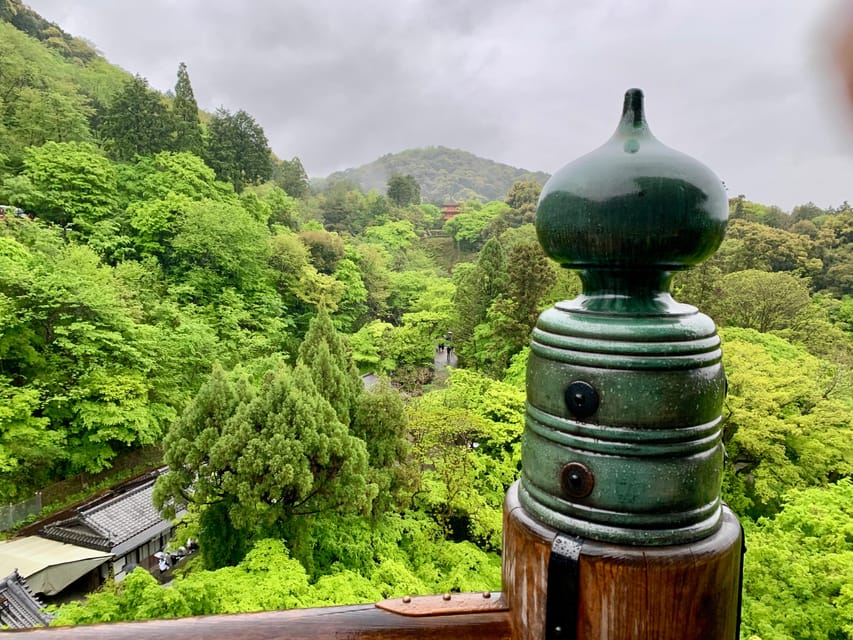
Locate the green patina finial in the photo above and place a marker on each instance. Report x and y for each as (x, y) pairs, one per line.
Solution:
(625, 385)
(631, 205)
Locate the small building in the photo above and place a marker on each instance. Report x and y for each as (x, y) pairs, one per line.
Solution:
(19, 607)
(449, 210)
(50, 566)
(126, 525)
(105, 537)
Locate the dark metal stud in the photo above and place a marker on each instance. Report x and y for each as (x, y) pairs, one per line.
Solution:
(577, 480)
(581, 399)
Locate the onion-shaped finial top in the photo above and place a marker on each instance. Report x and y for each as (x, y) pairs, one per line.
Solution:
(632, 204)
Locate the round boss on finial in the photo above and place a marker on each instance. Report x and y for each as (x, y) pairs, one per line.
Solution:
(581, 399)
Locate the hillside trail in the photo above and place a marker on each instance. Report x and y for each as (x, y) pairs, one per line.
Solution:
(442, 360)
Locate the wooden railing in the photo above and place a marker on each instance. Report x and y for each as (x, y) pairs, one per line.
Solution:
(469, 616)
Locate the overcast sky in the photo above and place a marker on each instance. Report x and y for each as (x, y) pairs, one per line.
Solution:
(742, 85)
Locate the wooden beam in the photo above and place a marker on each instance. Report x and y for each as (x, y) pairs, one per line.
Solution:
(360, 622)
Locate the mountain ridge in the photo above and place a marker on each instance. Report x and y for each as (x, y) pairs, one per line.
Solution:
(445, 175)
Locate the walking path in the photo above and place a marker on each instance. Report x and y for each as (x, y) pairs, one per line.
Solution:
(441, 361)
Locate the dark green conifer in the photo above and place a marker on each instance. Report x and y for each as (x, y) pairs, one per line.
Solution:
(323, 351)
(237, 149)
(185, 110)
(137, 122)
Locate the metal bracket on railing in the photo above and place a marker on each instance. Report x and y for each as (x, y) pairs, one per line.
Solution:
(447, 604)
(561, 610)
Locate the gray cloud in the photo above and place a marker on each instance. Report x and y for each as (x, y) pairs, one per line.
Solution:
(741, 86)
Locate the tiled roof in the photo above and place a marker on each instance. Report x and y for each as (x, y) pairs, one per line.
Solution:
(19, 608)
(125, 515)
(112, 522)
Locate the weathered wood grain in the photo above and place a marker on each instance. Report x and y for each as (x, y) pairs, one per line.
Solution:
(679, 592)
(362, 622)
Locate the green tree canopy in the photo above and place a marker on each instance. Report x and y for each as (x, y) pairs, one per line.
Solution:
(266, 455)
(137, 122)
(237, 149)
(326, 355)
(798, 573)
(72, 183)
(404, 190)
(760, 300)
(787, 421)
(290, 175)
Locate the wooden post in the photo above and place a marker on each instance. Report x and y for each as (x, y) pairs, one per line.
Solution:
(679, 592)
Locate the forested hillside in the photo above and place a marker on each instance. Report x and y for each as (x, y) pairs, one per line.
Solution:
(445, 175)
(176, 284)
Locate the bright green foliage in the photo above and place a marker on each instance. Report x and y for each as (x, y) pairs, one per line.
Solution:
(79, 358)
(185, 112)
(798, 574)
(362, 561)
(516, 372)
(99, 379)
(760, 300)
(351, 310)
(393, 236)
(416, 289)
(370, 348)
(72, 183)
(59, 115)
(412, 346)
(299, 284)
(380, 421)
(27, 445)
(283, 209)
(401, 554)
(468, 438)
(256, 207)
(176, 173)
(404, 190)
(137, 122)
(40, 99)
(266, 579)
(787, 423)
(468, 228)
(220, 245)
(159, 191)
(237, 149)
(327, 356)
(436, 297)
(451, 482)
